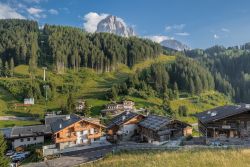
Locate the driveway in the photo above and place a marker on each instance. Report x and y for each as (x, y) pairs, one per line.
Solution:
(74, 158)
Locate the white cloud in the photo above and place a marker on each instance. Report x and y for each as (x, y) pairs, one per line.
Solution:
(216, 36)
(175, 27)
(91, 20)
(6, 12)
(36, 12)
(225, 30)
(182, 34)
(53, 11)
(158, 38)
(34, 1)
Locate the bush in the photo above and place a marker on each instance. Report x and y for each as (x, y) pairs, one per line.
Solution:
(183, 110)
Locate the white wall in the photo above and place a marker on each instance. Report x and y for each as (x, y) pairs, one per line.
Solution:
(17, 142)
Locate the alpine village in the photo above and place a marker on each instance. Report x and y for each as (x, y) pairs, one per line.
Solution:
(69, 97)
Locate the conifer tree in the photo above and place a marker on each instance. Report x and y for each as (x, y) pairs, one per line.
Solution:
(70, 104)
(1, 68)
(4, 161)
(6, 69)
(11, 67)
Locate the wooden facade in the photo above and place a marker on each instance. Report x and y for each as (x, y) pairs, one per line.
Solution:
(125, 127)
(172, 130)
(235, 126)
(79, 133)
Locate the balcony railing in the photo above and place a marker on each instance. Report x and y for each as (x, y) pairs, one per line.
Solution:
(93, 136)
(66, 139)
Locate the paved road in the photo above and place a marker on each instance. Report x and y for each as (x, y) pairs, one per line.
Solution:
(74, 158)
(7, 118)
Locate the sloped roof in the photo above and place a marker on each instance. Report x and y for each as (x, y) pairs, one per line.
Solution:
(53, 118)
(26, 131)
(155, 122)
(222, 112)
(121, 118)
(62, 123)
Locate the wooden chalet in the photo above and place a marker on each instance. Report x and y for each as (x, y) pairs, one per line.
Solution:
(156, 129)
(229, 121)
(74, 130)
(115, 108)
(123, 126)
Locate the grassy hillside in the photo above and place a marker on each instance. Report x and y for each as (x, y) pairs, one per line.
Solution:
(195, 104)
(92, 86)
(190, 158)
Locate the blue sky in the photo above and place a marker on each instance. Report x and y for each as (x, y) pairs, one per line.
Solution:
(198, 23)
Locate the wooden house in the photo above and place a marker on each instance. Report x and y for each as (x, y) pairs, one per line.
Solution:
(80, 105)
(75, 130)
(229, 121)
(117, 108)
(157, 129)
(123, 126)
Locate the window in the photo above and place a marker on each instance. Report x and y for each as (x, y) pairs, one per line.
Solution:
(34, 138)
(28, 139)
(96, 130)
(58, 135)
(21, 140)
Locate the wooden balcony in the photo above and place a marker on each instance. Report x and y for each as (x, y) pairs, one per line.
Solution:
(93, 136)
(66, 139)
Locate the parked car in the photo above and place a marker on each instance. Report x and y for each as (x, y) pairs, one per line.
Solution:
(15, 154)
(17, 159)
(9, 153)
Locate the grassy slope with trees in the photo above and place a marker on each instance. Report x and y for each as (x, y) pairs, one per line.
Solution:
(82, 65)
(230, 67)
(93, 86)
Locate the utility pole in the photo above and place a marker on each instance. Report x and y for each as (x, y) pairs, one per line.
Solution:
(46, 96)
(44, 73)
(45, 86)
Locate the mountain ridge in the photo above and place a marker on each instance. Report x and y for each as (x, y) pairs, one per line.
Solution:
(115, 25)
(174, 44)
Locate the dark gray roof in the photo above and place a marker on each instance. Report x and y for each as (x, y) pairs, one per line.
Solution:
(121, 118)
(155, 122)
(64, 122)
(222, 112)
(26, 131)
(53, 118)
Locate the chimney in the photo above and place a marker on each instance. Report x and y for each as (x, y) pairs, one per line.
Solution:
(67, 117)
(127, 112)
(60, 126)
(123, 117)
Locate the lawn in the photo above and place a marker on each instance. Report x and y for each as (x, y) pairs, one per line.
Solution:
(5, 124)
(181, 158)
(196, 104)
